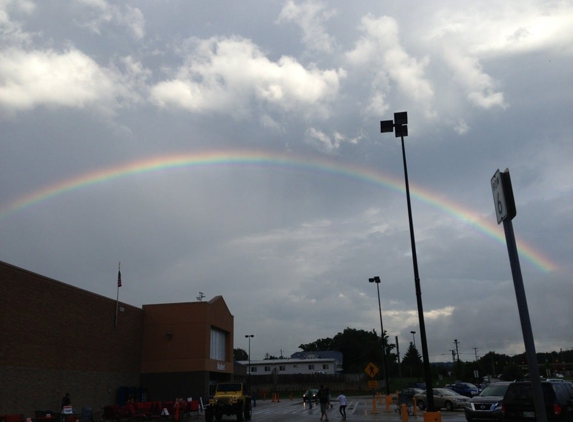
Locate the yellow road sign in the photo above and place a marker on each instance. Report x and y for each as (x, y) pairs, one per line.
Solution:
(371, 370)
(372, 384)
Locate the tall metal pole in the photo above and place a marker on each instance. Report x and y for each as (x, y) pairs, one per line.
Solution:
(399, 125)
(425, 354)
(385, 368)
(382, 338)
(399, 363)
(249, 336)
(505, 209)
(527, 331)
(457, 350)
(413, 338)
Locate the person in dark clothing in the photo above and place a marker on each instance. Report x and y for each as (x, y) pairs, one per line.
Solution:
(323, 399)
(66, 401)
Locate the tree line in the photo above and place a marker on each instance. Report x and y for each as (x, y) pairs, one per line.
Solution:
(360, 347)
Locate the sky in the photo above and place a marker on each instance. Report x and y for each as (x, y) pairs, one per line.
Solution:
(234, 149)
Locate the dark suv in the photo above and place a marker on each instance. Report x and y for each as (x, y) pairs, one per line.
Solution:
(518, 401)
(487, 404)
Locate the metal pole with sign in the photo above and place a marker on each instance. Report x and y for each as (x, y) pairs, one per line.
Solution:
(372, 370)
(505, 211)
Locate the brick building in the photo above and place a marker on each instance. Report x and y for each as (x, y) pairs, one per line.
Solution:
(56, 338)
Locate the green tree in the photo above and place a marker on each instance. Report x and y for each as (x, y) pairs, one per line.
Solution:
(270, 357)
(511, 372)
(317, 345)
(359, 347)
(240, 354)
(492, 364)
(412, 362)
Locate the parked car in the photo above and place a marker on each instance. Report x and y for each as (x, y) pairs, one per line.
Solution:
(518, 402)
(487, 404)
(310, 394)
(443, 398)
(464, 388)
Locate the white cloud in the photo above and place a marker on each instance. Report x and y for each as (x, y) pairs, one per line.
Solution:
(70, 79)
(126, 15)
(321, 140)
(377, 105)
(326, 143)
(310, 17)
(479, 86)
(11, 30)
(226, 74)
(467, 38)
(461, 127)
(24, 6)
(512, 27)
(380, 49)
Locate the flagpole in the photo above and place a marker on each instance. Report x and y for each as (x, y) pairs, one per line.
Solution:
(118, 286)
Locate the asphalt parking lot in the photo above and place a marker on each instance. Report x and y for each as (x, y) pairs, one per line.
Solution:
(359, 409)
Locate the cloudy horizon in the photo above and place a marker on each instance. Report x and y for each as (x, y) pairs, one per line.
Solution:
(234, 149)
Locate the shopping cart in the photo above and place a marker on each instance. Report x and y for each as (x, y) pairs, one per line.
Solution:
(406, 399)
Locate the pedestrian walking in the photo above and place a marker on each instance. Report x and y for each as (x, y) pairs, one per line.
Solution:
(309, 397)
(342, 401)
(323, 400)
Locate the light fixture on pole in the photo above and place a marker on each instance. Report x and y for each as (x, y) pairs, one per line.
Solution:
(377, 281)
(400, 128)
(249, 336)
(413, 338)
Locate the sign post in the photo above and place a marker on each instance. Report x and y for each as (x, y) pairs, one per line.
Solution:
(372, 370)
(505, 210)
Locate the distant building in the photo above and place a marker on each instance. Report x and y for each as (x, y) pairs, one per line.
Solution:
(328, 363)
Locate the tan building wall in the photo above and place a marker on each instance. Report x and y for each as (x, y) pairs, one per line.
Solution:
(176, 348)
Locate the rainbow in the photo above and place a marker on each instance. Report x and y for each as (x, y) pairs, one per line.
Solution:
(261, 158)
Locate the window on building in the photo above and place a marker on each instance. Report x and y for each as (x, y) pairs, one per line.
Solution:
(218, 338)
(253, 369)
(267, 369)
(325, 366)
(311, 367)
(282, 368)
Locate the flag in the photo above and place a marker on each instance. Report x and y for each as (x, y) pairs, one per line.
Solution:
(118, 278)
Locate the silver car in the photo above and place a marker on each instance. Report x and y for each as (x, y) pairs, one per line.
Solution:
(443, 398)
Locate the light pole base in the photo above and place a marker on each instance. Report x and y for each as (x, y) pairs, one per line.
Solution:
(432, 417)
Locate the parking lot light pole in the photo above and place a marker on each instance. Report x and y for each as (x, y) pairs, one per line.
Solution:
(413, 338)
(400, 127)
(377, 281)
(249, 336)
